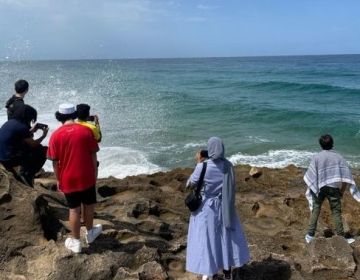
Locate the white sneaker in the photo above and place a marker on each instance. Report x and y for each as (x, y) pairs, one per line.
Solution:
(93, 233)
(73, 244)
(205, 277)
(350, 240)
(308, 238)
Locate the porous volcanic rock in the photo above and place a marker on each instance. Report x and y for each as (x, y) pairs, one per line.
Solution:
(145, 226)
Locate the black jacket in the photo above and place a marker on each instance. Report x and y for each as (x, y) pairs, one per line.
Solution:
(12, 104)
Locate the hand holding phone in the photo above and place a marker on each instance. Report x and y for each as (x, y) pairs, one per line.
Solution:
(41, 126)
(201, 156)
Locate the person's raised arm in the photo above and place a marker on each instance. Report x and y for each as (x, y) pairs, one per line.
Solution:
(36, 142)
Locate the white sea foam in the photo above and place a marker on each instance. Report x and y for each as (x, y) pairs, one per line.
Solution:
(3, 116)
(167, 148)
(194, 145)
(274, 159)
(121, 162)
(353, 160)
(258, 139)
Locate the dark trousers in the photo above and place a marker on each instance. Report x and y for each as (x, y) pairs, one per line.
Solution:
(334, 197)
(30, 161)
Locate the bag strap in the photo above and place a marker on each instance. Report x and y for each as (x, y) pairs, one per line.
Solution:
(201, 179)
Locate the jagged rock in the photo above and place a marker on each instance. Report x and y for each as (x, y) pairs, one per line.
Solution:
(139, 209)
(333, 255)
(145, 230)
(146, 254)
(124, 274)
(46, 183)
(5, 195)
(152, 271)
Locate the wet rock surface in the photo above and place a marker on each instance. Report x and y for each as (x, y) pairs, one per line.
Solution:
(145, 228)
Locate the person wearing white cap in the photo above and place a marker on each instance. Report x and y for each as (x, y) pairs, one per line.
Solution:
(72, 149)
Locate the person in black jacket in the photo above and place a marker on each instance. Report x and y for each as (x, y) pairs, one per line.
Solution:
(17, 100)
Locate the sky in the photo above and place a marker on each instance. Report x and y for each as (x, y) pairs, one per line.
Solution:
(115, 29)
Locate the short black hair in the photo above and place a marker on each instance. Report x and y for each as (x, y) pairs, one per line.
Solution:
(83, 111)
(21, 86)
(326, 142)
(65, 117)
(204, 154)
(25, 114)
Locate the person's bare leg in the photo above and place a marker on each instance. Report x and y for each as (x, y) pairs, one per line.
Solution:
(74, 222)
(88, 215)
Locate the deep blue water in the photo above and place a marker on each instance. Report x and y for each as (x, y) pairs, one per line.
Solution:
(155, 113)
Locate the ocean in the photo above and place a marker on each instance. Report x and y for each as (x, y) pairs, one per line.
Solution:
(156, 113)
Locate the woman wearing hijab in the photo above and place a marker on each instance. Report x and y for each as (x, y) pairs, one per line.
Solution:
(215, 238)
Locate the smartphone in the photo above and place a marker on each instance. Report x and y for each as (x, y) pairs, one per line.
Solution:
(90, 118)
(41, 126)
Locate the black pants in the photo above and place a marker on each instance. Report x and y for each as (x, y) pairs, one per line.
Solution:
(30, 161)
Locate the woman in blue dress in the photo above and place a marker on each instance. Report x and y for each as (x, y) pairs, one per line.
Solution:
(215, 238)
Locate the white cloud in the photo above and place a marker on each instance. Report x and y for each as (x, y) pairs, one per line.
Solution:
(205, 7)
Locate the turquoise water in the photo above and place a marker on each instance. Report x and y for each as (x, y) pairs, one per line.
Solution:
(156, 113)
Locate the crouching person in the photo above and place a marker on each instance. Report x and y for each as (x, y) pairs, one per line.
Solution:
(72, 149)
(19, 148)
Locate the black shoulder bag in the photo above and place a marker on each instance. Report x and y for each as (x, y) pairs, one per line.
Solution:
(193, 200)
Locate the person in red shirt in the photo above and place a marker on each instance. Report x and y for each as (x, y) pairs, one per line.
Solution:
(72, 149)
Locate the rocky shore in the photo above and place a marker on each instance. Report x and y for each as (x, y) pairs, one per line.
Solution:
(145, 227)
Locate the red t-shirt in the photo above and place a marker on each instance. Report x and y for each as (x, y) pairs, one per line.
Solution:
(72, 145)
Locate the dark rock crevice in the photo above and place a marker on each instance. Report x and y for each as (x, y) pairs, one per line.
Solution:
(50, 224)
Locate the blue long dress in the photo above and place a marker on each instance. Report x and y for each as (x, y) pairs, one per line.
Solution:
(210, 246)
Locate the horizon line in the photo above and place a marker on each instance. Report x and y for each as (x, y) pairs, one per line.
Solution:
(168, 58)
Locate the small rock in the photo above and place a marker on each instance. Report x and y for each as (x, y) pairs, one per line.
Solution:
(255, 172)
(146, 254)
(124, 274)
(152, 271)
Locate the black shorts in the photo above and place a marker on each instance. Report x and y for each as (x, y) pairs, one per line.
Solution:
(87, 197)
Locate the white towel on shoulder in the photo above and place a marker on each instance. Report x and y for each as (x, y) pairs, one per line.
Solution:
(328, 167)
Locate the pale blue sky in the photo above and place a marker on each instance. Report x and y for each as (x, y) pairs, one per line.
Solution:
(78, 29)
